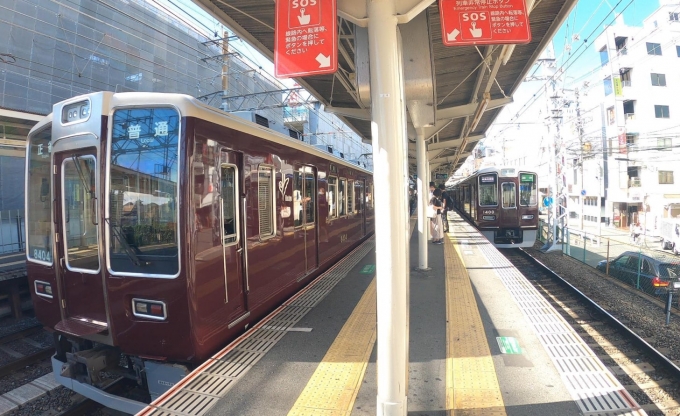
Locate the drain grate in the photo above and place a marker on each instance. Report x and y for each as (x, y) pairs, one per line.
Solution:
(200, 390)
(590, 384)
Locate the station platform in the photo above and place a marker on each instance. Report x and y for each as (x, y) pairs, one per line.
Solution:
(482, 342)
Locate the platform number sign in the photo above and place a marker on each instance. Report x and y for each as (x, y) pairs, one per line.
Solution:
(305, 38)
(484, 22)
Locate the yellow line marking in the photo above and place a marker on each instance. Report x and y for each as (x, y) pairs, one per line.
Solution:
(471, 383)
(333, 387)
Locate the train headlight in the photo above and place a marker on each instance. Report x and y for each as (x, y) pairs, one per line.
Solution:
(527, 217)
(43, 289)
(150, 309)
(489, 217)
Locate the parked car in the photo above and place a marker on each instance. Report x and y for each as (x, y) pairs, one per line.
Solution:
(656, 272)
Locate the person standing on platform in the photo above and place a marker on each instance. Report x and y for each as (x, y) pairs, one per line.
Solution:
(435, 209)
(448, 205)
(431, 190)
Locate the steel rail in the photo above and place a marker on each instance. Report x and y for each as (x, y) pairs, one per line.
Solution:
(670, 365)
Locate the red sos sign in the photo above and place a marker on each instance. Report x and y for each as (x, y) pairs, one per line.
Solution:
(484, 23)
(305, 38)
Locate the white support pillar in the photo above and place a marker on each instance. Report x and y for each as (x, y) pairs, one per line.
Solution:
(423, 192)
(388, 129)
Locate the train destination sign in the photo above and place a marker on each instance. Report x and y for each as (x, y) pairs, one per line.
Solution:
(305, 38)
(484, 22)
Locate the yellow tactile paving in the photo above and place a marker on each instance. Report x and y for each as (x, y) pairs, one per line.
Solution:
(471, 383)
(334, 385)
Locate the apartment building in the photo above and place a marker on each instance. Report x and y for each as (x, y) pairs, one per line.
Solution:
(633, 164)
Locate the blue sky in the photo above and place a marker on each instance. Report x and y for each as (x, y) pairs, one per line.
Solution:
(587, 20)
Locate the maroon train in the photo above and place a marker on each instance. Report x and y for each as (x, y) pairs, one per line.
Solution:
(160, 228)
(502, 202)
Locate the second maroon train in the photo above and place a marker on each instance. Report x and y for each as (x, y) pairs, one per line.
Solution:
(502, 203)
(159, 228)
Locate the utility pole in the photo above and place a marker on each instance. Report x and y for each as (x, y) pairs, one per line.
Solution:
(579, 130)
(554, 105)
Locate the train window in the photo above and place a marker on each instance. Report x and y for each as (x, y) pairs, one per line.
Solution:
(369, 196)
(39, 197)
(342, 208)
(359, 196)
(310, 194)
(297, 199)
(80, 219)
(528, 189)
(142, 206)
(266, 201)
(509, 198)
(228, 195)
(303, 197)
(332, 196)
(350, 197)
(488, 191)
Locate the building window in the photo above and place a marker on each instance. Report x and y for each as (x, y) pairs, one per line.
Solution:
(665, 177)
(608, 89)
(631, 139)
(266, 201)
(611, 116)
(659, 80)
(664, 143)
(661, 111)
(673, 17)
(677, 50)
(604, 56)
(653, 48)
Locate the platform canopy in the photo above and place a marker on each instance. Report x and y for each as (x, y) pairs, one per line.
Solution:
(453, 94)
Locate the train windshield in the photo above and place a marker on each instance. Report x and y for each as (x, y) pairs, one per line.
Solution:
(488, 191)
(39, 197)
(528, 189)
(143, 193)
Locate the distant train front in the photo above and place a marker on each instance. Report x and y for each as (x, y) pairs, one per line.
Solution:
(502, 203)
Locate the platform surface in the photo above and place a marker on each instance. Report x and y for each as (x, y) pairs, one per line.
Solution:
(477, 347)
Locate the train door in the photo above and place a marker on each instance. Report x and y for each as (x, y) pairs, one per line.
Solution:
(509, 212)
(232, 211)
(360, 203)
(76, 184)
(304, 213)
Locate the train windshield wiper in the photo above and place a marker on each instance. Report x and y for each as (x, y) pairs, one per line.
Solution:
(126, 247)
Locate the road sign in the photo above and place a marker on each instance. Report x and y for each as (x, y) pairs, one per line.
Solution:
(305, 38)
(547, 201)
(487, 22)
(583, 192)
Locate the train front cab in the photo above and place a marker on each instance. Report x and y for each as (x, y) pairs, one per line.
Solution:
(513, 223)
(139, 226)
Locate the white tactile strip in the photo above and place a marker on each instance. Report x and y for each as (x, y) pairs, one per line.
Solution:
(201, 389)
(592, 386)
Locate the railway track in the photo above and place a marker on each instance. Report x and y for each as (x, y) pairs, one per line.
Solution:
(650, 377)
(23, 350)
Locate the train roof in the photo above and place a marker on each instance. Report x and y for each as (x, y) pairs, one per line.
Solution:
(189, 106)
(504, 171)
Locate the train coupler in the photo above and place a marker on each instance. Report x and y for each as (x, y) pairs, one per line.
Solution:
(86, 366)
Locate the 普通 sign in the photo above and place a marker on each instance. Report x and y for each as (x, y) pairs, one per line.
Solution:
(305, 38)
(484, 22)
